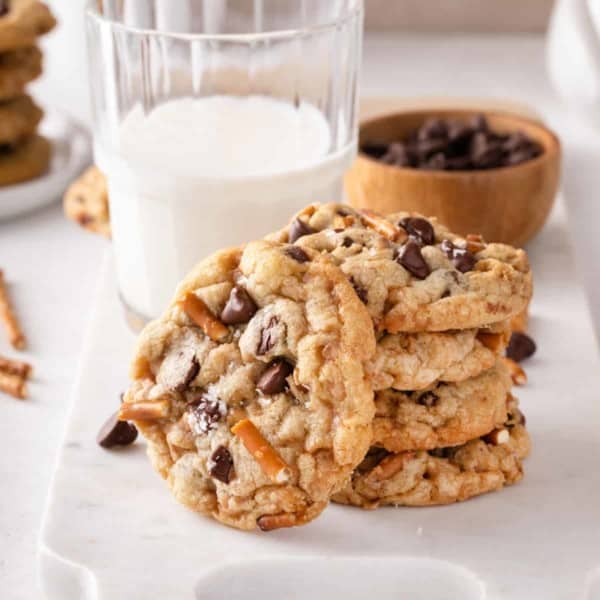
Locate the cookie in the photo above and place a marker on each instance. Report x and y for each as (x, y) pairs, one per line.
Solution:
(28, 160)
(22, 22)
(19, 119)
(251, 388)
(86, 202)
(414, 361)
(442, 415)
(442, 476)
(412, 273)
(17, 69)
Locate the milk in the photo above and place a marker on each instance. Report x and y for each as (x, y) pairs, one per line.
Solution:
(196, 175)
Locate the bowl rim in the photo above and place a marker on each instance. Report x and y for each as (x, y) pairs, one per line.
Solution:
(553, 149)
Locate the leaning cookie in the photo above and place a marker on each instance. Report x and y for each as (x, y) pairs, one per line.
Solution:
(86, 202)
(412, 273)
(19, 119)
(442, 476)
(444, 414)
(414, 361)
(22, 22)
(17, 69)
(251, 388)
(26, 161)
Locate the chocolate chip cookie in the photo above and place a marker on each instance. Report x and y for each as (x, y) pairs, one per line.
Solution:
(26, 161)
(19, 119)
(444, 475)
(86, 202)
(414, 361)
(445, 414)
(412, 273)
(17, 69)
(251, 388)
(22, 22)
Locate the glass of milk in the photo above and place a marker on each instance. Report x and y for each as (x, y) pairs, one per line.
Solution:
(214, 121)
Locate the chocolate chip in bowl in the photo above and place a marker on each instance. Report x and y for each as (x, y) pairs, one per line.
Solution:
(492, 173)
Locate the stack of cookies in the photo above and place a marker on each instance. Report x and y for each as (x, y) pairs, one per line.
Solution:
(24, 154)
(350, 356)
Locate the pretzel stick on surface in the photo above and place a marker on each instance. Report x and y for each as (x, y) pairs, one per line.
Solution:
(15, 367)
(8, 316)
(13, 385)
(264, 454)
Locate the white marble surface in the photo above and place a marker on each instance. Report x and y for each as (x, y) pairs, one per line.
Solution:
(54, 268)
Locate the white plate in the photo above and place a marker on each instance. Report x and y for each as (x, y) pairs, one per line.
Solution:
(71, 153)
(113, 532)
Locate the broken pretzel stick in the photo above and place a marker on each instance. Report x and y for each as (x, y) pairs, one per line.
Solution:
(518, 376)
(496, 342)
(270, 522)
(8, 316)
(475, 243)
(15, 367)
(13, 385)
(144, 411)
(383, 226)
(198, 312)
(264, 454)
(389, 466)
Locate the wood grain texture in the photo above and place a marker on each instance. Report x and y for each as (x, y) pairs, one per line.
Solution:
(504, 205)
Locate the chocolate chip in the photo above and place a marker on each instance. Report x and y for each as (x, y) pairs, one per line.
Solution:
(463, 260)
(297, 254)
(4, 6)
(419, 229)
(360, 290)
(206, 413)
(432, 128)
(222, 467)
(240, 307)
(347, 242)
(374, 456)
(267, 337)
(273, 380)
(428, 399)
(520, 346)
(410, 257)
(189, 375)
(116, 433)
(299, 228)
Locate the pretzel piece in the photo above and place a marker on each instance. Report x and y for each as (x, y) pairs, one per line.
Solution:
(382, 226)
(15, 367)
(198, 312)
(270, 522)
(496, 342)
(264, 454)
(475, 243)
(8, 316)
(143, 411)
(518, 376)
(13, 385)
(389, 466)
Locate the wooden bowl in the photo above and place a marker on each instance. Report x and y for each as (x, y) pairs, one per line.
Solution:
(507, 204)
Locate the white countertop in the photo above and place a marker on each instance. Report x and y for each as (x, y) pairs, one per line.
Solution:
(53, 267)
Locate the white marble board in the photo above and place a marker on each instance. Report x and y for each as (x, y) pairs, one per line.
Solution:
(112, 531)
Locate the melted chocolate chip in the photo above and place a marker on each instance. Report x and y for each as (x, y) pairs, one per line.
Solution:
(206, 413)
(461, 258)
(189, 375)
(240, 307)
(299, 228)
(4, 7)
(116, 433)
(222, 467)
(347, 242)
(520, 346)
(428, 399)
(360, 290)
(410, 257)
(273, 380)
(297, 254)
(267, 337)
(419, 229)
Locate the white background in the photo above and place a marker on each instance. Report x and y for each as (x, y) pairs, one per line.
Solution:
(53, 267)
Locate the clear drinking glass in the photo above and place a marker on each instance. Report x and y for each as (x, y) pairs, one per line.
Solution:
(214, 121)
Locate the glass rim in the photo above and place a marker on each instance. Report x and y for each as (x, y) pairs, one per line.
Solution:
(92, 12)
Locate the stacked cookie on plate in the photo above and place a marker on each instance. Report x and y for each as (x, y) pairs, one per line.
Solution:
(446, 425)
(349, 356)
(24, 154)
